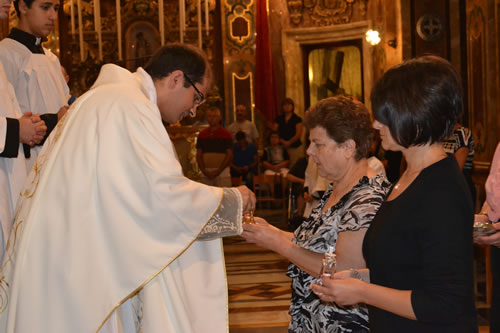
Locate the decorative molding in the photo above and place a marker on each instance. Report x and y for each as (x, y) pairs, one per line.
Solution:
(430, 27)
(330, 12)
(240, 24)
(249, 77)
(324, 12)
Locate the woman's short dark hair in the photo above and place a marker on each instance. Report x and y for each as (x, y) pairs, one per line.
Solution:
(176, 56)
(343, 119)
(420, 101)
(288, 101)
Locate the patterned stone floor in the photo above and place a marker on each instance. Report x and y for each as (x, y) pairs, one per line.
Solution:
(259, 290)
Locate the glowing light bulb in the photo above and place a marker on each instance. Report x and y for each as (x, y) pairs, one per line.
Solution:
(372, 37)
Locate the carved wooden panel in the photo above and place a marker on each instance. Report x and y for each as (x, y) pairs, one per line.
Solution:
(325, 12)
(482, 36)
(430, 27)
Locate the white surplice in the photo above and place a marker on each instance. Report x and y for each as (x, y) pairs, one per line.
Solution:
(37, 80)
(107, 227)
(12, 170)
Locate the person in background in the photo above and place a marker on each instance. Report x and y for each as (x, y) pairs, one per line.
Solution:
(34, 71)
(275, 159)
(71, 98)
(461, 145)
(243, 124)
(215, 151)
(491, 212)
(373, 160)
(418, 249)
(18, 133)
(340, 134)
(297, 191)
(245, 159)
(290, 128)
(316, 186)
(110, 236)
(393, 163)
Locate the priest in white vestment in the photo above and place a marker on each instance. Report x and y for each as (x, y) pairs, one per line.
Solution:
(109, 235)
(15, 130)
(34, 71)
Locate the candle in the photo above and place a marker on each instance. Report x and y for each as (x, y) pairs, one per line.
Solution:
(80, 31)
(161, 21)
(200, 44)
(97, 24)
(119, 29)
(182, 21)
(207, 24)
(72, 13)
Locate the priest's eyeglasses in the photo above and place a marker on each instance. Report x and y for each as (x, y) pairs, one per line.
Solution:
(200, 98)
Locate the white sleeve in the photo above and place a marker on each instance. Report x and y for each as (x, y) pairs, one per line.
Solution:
(3, 132)
(224, 223)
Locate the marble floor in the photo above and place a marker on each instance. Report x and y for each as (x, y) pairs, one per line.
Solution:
(259, 290)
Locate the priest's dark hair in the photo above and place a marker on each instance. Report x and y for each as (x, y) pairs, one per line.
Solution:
(176, 56)
(420, 100)
(16, 5)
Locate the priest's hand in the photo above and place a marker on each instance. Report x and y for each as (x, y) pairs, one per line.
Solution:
(248, 198)
(62, 111)
(31, 129)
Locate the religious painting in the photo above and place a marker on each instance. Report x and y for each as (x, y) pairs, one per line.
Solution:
(142, 39)
(332, 70)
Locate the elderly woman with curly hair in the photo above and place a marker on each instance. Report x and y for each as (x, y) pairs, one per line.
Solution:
(340, 133)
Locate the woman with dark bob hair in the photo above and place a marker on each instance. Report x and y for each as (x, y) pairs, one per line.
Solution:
(340, 133)
(418, 249)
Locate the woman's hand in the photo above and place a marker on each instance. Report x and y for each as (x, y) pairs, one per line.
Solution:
(493, 240)
(262, 234)
(342, 289)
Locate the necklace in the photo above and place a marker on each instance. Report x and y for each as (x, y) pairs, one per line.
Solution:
(410, 176)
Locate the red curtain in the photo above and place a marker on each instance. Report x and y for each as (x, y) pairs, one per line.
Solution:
(266, 99)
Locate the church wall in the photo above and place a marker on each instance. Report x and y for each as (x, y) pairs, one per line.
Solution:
(483, 44)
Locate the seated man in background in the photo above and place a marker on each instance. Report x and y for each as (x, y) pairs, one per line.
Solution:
(245, 159)
(214, 151)
(243, 124)
(275, 159)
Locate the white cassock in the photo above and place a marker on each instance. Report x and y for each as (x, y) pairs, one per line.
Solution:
(107, 232)
(12, 170)
(37, 80)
